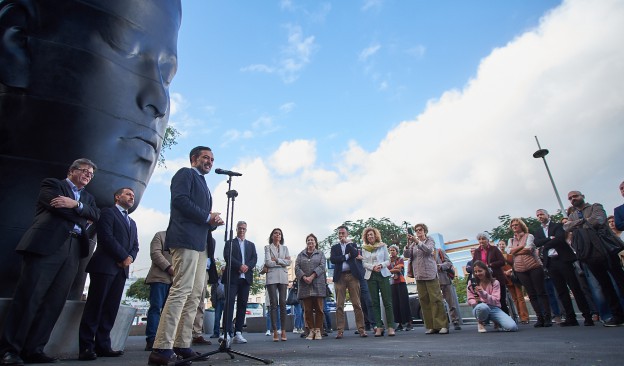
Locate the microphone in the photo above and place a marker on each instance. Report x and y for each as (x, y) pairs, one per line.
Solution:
(227, 172)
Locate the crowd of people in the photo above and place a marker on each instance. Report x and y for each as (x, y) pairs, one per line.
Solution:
(583, 255)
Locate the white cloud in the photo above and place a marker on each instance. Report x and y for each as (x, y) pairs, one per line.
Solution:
(369, 51)
(293, 58)
(371, 4)
(287, 107)
(466, 159)
(149, 222)
(293, 156)
(417, 51)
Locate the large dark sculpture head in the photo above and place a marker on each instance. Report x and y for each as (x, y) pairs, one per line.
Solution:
(88, 78)
(82, 78)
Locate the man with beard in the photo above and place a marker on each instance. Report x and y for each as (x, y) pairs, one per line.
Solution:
(588, 222)
(558, 259)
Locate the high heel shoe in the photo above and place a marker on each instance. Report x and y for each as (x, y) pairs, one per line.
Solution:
(284, 335)
(275, 336)
(391, 332)
(379, 332)
(311, 335)
(317, 334)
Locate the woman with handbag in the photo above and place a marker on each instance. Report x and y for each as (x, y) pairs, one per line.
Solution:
(375, 260)
(420, 251)
(398, 287)
(515, 289)
(311, 275)
(528, 268)
(277, 260)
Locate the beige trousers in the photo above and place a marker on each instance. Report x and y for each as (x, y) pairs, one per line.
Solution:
(189, 279)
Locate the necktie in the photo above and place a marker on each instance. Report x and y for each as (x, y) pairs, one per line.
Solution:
(125, 214)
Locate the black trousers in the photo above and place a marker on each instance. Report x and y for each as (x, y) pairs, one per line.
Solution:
(601, 268)
(533, 282)
(563, 276)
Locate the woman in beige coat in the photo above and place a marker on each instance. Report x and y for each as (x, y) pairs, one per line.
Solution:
(277, 260)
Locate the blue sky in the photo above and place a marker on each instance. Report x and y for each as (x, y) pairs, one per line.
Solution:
(422, 111)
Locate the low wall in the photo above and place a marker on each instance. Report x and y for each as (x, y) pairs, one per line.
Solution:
(64, 338)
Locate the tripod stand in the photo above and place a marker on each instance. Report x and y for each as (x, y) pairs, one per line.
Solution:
(225, 342)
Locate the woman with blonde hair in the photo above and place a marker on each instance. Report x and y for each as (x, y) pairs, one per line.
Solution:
(529, 270)
(376, 260)
(420, 250)
(277, 260)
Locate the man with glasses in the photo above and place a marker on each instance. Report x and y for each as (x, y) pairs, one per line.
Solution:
(51, 250)
(588, 222)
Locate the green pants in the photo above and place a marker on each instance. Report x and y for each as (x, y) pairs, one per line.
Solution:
(380, 284)
(431, 303)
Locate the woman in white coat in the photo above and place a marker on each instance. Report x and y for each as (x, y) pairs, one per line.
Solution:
(277, 260)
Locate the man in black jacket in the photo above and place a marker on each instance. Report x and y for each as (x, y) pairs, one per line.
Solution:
(559, 259)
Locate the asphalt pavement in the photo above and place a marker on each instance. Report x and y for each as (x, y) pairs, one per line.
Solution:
(581, 345)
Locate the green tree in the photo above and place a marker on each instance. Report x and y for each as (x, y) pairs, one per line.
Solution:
(259, 281)
(139, 290)
(168, 141)
(460, 289)
(391, 233)
(503, 231)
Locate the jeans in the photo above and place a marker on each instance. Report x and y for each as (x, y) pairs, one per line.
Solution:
(238, 289)
(298, 311)
(367, 304)
(484, 312)
(220, 304)
(328, 323)
(157, 297)
(268, 319)
(553, 299)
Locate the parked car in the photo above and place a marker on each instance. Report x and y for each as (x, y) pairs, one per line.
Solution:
(331, 305)
(254, 309)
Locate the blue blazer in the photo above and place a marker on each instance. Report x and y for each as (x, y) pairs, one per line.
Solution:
(116, 240)
(618, 212)
(337, 258)
(191, 203)
(251, 258)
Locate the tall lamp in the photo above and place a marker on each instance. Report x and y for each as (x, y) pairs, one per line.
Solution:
(541, 153)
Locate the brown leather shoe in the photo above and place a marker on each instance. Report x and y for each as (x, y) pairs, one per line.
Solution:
(201, 341)
(339, 335)
(363, 334)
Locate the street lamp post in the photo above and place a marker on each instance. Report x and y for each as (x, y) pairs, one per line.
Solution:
(541, 153)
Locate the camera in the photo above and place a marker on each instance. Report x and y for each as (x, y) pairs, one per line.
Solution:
(474, 282)
(410, 231)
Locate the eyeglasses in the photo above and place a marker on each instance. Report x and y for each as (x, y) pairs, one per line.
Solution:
(420, 229)
(86, 172)
(514, 225)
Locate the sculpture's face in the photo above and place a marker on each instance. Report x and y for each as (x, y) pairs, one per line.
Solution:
(98, 87)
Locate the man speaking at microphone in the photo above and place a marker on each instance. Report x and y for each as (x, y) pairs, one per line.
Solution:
(190, 225)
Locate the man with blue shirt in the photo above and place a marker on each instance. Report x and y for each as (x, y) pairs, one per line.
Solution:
(190, 224)
(51, 248)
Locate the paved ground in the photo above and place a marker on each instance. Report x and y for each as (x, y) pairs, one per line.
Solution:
(529, 346)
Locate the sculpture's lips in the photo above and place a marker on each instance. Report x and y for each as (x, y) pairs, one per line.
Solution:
(146, 148)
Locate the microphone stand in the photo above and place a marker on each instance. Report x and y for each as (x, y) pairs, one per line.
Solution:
(225, 342)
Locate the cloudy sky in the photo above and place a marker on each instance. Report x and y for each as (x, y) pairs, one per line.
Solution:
(412, 110)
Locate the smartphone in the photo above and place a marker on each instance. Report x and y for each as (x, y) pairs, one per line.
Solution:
(410, 231)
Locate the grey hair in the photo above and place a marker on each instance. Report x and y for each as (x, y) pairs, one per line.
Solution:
(483, 235)
(544, 211)
(396, 247)
(82, 161)
(240, 223)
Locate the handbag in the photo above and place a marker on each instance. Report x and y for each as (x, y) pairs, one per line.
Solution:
(514, 278)
(291, 298)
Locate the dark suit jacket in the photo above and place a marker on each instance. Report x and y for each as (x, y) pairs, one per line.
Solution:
(213, 276)
(191, 204)
(618, 212)
(51, 225)
(115, 242)
(251, 258)
(337, 258)
(559, 243)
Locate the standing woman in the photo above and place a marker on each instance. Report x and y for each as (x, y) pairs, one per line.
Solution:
(398, 287)
(514, 289)
(277, 260)
(376, 260)
(420, 250)
(310, 272)
(528, 268)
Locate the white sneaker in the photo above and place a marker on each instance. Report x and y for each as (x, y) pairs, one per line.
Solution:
(228, 341)
(481, 328)
(295, 330)
(238, 338)
(268, 333)
(443, 331)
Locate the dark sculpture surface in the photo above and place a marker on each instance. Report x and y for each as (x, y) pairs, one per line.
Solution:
(79, 78)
